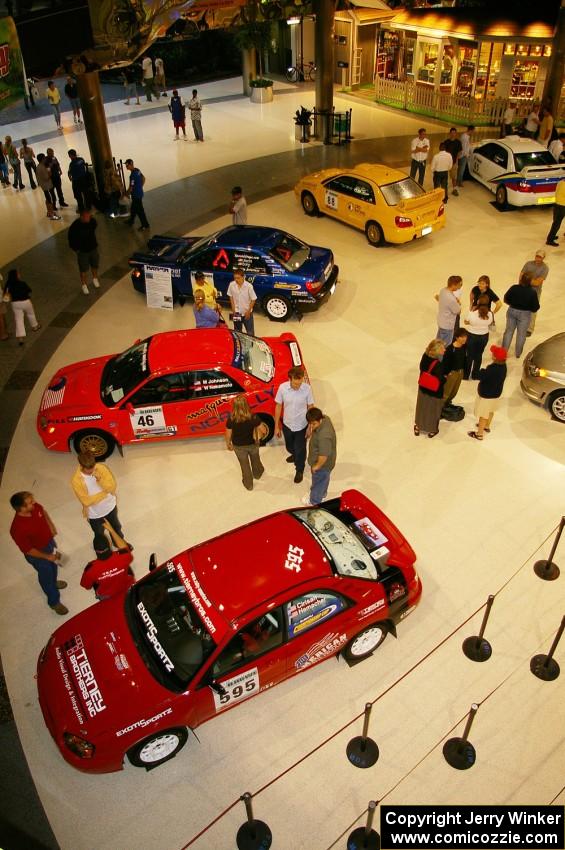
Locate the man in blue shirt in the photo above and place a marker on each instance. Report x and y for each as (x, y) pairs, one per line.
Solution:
(135, 192)
(294, 397)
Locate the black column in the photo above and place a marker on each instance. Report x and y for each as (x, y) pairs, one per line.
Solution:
(324, 41)
(95, 125)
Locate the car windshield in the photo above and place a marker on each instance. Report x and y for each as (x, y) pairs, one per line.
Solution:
(350, 557)
(290, 252)
(531, 159)
(171, 637)
(253, 356)
(196, 246)
(124, 372)
(402, 190)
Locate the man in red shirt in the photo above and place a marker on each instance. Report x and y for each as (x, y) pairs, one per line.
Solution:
(34, 533)
(109, 574)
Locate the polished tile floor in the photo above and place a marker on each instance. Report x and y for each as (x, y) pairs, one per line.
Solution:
(478, 515)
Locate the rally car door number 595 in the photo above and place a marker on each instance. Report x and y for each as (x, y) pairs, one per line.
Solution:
(294, 558)
(237, 688)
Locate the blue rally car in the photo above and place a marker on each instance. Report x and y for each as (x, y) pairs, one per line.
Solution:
(286, 273)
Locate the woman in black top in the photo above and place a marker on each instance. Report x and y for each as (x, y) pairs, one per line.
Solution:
(482, 288)
(522, 302)
(17, 291)
(240, 438)
(429, 403)
(491, 383)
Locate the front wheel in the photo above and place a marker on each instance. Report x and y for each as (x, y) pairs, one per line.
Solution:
(309, 204)
(312, 73)
(557, 407)
(292, 75)
(277, 308)
(501, 197)
(365, 642)
(99, 443)
(374, 234)
(158, 748)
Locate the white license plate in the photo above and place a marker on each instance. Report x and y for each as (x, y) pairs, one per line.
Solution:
(332, 289)
(426, 230)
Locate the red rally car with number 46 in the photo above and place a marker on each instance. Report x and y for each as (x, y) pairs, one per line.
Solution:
(175, 384)
(219, 623)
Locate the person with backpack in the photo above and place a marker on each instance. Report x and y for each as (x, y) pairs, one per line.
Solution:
(177, 108)
(78, 175)
(135, 192)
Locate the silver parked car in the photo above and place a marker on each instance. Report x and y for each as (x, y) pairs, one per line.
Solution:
(543, 377)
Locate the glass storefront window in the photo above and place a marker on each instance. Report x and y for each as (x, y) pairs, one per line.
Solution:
(410, 47)
(524, 78)
(466, 73)
(447, 65)
(429, 52)
(483, 69)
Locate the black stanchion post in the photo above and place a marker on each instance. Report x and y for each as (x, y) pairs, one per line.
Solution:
(253, 835)
(545, 666)
(476, 647)
(362, 751)
(547, 570)
(459, 752)
(365, 837)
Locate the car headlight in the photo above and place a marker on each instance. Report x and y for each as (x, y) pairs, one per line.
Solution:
(81, 748)
(536, 371)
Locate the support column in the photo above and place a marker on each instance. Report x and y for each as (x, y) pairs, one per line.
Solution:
(324, 41)
(554, 79)
(92, 106)
(248, 67)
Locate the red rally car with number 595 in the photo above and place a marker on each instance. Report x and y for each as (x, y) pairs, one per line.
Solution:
(175, 384)
(219, 623)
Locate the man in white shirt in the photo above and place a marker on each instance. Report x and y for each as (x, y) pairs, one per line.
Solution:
(556, 147)
(508, 119)
(449, 308)
(238, 206)
(195, 106)
(242, 298)
(294, 397)
(532, 123)
(148, 79)
(160, 76)
(466, 148)
(419, 147)
(442, 163)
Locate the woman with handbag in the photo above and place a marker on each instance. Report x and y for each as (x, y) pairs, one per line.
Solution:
(244, 432)
(429, 403)
(17, 291)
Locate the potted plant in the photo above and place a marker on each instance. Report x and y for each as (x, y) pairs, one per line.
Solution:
(261, 90)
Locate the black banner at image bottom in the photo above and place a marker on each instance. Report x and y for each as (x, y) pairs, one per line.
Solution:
(472, 827)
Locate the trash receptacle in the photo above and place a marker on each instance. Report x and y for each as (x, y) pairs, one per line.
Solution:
(340, 124)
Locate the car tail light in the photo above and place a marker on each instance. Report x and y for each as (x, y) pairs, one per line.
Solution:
(314, 285)
(522, 186)
(403, 221)
(81, 748)
(136, 273)
(536, 372)
(441, 210)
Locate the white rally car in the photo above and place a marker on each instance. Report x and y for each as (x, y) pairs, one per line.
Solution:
(519, 172)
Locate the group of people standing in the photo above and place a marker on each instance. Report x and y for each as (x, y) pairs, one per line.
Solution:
(457, 351)
(178, 107)
(44, 170)
(451, 159)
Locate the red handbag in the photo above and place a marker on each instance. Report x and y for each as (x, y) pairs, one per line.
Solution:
(428, 381)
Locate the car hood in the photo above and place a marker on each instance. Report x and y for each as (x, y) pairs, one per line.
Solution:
(550, 354)
(76, 385)
(91, 678)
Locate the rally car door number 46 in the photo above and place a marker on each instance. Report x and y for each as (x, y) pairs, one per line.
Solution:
(237, 688)
(148, 421)
(294, 558)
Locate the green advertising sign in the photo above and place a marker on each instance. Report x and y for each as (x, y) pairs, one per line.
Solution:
(11, 68)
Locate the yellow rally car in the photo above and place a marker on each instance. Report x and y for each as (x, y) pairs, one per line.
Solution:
(382, 201)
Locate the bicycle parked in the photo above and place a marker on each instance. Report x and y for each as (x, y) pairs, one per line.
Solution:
(301, 72)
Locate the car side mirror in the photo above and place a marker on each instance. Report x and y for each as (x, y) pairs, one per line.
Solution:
(217, 688)
(152, 562)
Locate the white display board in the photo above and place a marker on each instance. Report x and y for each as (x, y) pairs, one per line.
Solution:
(158, 288)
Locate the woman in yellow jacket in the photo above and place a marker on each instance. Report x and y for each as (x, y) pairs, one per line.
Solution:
(95, 488)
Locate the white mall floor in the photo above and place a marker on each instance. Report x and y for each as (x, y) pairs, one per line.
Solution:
(478, 516)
